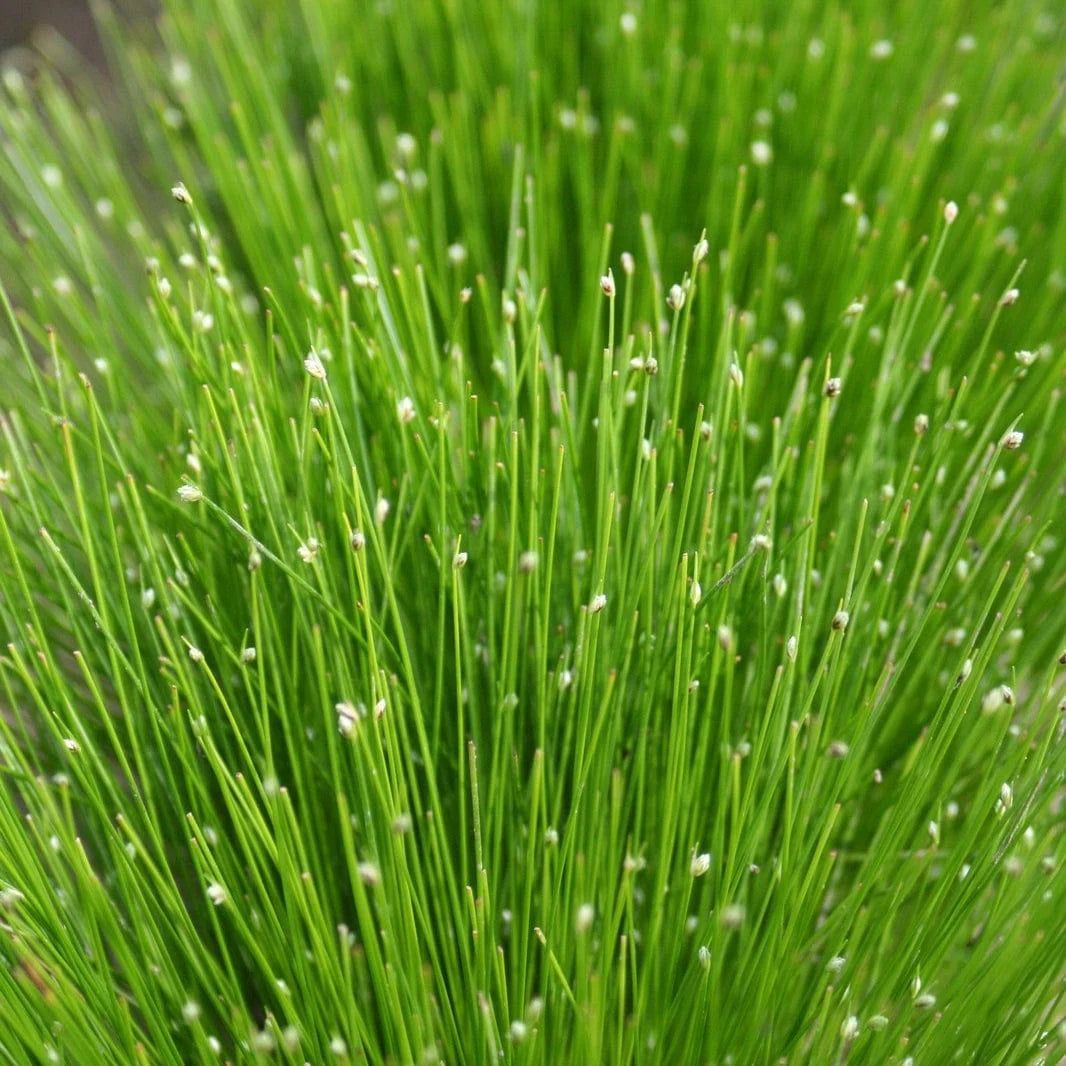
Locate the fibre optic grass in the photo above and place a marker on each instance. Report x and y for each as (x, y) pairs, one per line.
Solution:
(533, 534)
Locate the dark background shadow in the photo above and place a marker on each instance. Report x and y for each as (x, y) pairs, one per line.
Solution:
(20, 19)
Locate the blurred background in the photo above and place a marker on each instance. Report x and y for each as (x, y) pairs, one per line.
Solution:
(19, 19)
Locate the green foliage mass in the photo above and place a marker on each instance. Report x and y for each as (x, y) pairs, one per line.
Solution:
(532, 532)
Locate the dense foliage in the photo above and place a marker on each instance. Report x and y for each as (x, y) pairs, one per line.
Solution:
(532, 532)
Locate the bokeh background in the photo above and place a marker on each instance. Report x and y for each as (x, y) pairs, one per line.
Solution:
(20, 19)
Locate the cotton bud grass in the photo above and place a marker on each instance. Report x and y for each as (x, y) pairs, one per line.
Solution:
(547, 553)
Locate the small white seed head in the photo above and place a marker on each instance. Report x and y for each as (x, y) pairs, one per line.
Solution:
(369, 874)
(762, 154)
(732, 916)
(586, 915)
(314, 366)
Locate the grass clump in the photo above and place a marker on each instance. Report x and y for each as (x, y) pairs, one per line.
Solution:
(533, 533)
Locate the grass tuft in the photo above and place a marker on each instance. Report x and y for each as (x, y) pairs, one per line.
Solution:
(533, 533)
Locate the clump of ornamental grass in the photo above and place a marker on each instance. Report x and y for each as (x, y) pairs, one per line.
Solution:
(533, 533)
